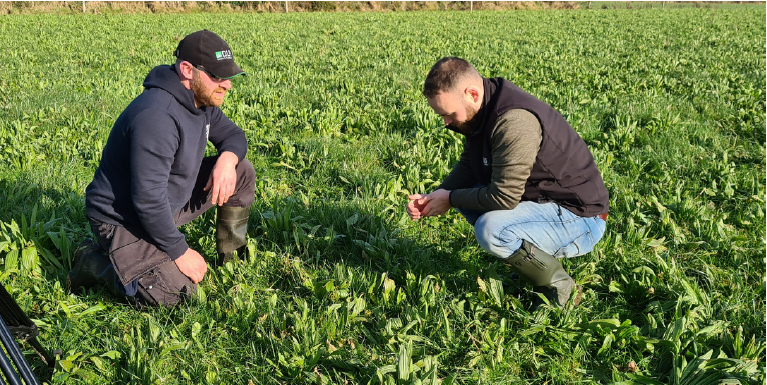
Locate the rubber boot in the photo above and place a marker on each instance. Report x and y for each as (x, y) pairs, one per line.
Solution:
(92, 267)
(231, 228)
(545, 273)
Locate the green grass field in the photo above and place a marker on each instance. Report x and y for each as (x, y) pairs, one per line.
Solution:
(339, 287)
(671, 4)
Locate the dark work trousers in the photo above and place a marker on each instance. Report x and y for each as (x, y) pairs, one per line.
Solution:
(148, 272)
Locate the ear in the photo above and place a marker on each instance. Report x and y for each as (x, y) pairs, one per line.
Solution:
(471, 94)
(185, 70)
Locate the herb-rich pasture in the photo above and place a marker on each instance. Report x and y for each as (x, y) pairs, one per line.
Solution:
(338, 286)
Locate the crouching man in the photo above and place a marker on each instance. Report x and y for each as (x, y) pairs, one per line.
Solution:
(525, 180)
(153, 177)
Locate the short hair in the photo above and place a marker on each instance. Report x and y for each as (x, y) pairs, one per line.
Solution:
(178, 65)
(447, 74)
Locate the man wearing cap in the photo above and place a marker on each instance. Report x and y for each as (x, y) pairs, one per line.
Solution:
(153, 177)
(525, 180)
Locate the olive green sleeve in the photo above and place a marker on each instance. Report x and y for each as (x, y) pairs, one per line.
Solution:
(461, 175)
(516, 140)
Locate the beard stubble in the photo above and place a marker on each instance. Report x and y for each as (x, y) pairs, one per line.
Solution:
(467, 127)
(203, 96)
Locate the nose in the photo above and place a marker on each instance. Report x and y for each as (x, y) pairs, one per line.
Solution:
(447, 121)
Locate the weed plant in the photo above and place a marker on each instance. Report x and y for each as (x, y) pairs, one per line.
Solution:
(338, 286)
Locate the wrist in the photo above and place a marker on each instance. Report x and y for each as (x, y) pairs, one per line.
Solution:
(178, 250)
(229, 158)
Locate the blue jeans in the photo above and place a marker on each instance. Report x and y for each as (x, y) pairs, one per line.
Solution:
(549, 227)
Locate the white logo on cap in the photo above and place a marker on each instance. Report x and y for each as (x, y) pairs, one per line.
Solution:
(224, 55)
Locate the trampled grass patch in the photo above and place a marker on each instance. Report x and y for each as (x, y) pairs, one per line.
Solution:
(338, 286)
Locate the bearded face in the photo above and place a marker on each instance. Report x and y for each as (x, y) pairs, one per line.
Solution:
(456, 109)
(467, 125)
(206, 92)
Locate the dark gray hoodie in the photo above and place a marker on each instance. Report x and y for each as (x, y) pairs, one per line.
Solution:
(152, 157)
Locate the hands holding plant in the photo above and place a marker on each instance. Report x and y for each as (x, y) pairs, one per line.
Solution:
(429, 205)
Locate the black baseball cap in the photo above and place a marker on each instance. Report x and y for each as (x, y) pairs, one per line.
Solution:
(210, 51)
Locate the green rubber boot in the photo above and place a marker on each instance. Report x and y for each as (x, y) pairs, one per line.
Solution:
(545, 273)
(92, 267)
(231, 230)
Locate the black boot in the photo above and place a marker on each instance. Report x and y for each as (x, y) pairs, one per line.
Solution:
(231, 228)
(92, 267)
(545, 273)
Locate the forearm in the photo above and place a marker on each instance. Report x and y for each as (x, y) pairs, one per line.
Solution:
(227, 136)
(487, 198)
(236, 145)
(157, 221)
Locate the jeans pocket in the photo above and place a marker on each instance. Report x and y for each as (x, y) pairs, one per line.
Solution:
(579, 246)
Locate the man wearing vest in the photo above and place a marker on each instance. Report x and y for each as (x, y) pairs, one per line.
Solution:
(525, 180)
(153, 177)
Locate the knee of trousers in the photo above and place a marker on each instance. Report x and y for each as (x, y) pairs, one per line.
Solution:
(246, 183)
(246, 172)
(493, 236)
